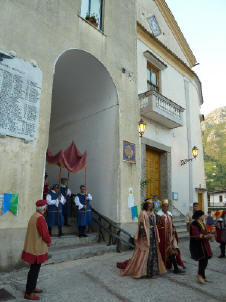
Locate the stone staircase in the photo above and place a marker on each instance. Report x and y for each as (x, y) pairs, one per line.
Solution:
(181, 227)
(180, 224)
(71, 247)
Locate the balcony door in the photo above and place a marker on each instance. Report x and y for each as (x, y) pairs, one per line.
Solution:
(153, 173)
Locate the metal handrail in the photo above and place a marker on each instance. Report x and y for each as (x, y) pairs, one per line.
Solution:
(113, 230)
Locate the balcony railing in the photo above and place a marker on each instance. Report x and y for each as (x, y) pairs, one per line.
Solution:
(155, 106)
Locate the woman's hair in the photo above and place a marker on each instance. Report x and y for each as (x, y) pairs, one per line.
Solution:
(146, 203)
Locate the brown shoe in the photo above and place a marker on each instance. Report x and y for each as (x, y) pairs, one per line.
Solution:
(37, 291)
(200, 279)
(207, 280)
(31, 297)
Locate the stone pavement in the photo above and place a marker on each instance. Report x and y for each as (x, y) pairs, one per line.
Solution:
(97, 279)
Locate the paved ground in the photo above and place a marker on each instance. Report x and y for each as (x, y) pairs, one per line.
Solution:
(97, 279)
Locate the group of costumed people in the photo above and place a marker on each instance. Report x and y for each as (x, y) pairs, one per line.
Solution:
(58, 207)
(156, 244)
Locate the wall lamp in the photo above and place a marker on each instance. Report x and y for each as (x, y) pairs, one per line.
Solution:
(195, 152)
(141, 127)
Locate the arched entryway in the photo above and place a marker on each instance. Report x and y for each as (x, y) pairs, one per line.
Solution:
(85, 109)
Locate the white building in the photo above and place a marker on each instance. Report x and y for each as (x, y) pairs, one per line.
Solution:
(217, 199)
(170, 99)
(93, 86)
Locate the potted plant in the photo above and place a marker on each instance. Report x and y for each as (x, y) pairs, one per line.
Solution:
(92, 19)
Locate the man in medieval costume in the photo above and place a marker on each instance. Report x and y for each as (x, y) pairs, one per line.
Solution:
(66, 192)
(55, 201)
(221, 233)
(168, 239)
(35, 250)
(84, 216)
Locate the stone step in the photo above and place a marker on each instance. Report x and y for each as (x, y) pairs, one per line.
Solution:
(73, 240)
(178, 219)
(73, 229)
(58, 255)
(180, 226)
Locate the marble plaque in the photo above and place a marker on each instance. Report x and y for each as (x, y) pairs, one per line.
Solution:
(20, 89)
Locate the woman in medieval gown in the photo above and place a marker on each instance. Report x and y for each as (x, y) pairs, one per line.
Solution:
(146, 260)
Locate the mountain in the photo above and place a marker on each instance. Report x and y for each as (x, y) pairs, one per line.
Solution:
(214, 144)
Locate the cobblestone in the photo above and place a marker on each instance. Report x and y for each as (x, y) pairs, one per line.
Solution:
(97, 279)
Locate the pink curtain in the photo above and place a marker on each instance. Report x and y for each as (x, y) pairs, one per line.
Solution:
(70, 159)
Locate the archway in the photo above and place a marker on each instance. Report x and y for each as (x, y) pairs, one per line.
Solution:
(85, 109)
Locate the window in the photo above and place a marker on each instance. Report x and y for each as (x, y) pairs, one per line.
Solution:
(221, 198)
(152, 77)
(92, 8)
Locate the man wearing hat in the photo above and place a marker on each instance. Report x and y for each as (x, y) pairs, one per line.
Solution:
(84, 216)
(55, 201)
(168, 239)
(35, 250)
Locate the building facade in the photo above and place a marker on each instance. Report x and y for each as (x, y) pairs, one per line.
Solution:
(94, 89)
(217, 199)
(170, 98)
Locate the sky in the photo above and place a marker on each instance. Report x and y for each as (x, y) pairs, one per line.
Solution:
(203, 23)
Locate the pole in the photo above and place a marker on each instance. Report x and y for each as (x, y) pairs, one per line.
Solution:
(59, 193)
(86, 192)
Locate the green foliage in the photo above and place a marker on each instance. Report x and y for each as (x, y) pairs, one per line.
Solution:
(214, 144)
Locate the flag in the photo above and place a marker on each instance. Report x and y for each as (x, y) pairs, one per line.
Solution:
(14, 204)
(10, 203)
(134, 211)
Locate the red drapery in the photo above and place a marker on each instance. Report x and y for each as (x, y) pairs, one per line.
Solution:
(70, 159)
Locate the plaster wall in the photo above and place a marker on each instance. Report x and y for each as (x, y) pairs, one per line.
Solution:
(198, 170)
(148, 8)
(42, 30)
(215, 199)
(84, 93)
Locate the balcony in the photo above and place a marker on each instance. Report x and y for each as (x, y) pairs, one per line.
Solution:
(156, 107)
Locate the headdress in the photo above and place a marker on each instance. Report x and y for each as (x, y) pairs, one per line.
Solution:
(165, 201)
(40, 203)
(148, 200)
(55, 186)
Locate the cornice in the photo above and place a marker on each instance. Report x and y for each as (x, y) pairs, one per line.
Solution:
(164, 52)
(172, 23)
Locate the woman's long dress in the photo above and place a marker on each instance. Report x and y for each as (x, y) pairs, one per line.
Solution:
(152, 265)
(146, 260)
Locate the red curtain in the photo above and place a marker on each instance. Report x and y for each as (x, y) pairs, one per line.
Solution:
(70, 159)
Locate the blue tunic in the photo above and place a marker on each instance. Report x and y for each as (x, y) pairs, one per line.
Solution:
(54, 214)
(66, 206)
(84, 216)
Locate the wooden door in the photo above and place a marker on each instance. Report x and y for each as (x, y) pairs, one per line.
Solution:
(153, 173)
(200, 201)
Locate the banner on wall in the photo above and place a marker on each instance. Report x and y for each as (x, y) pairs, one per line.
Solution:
(9, 202)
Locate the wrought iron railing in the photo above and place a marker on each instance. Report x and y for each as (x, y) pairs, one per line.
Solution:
(114, 232)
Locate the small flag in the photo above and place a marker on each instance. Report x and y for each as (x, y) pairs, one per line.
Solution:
(14, 204)
(10, 203)
(134, 211)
